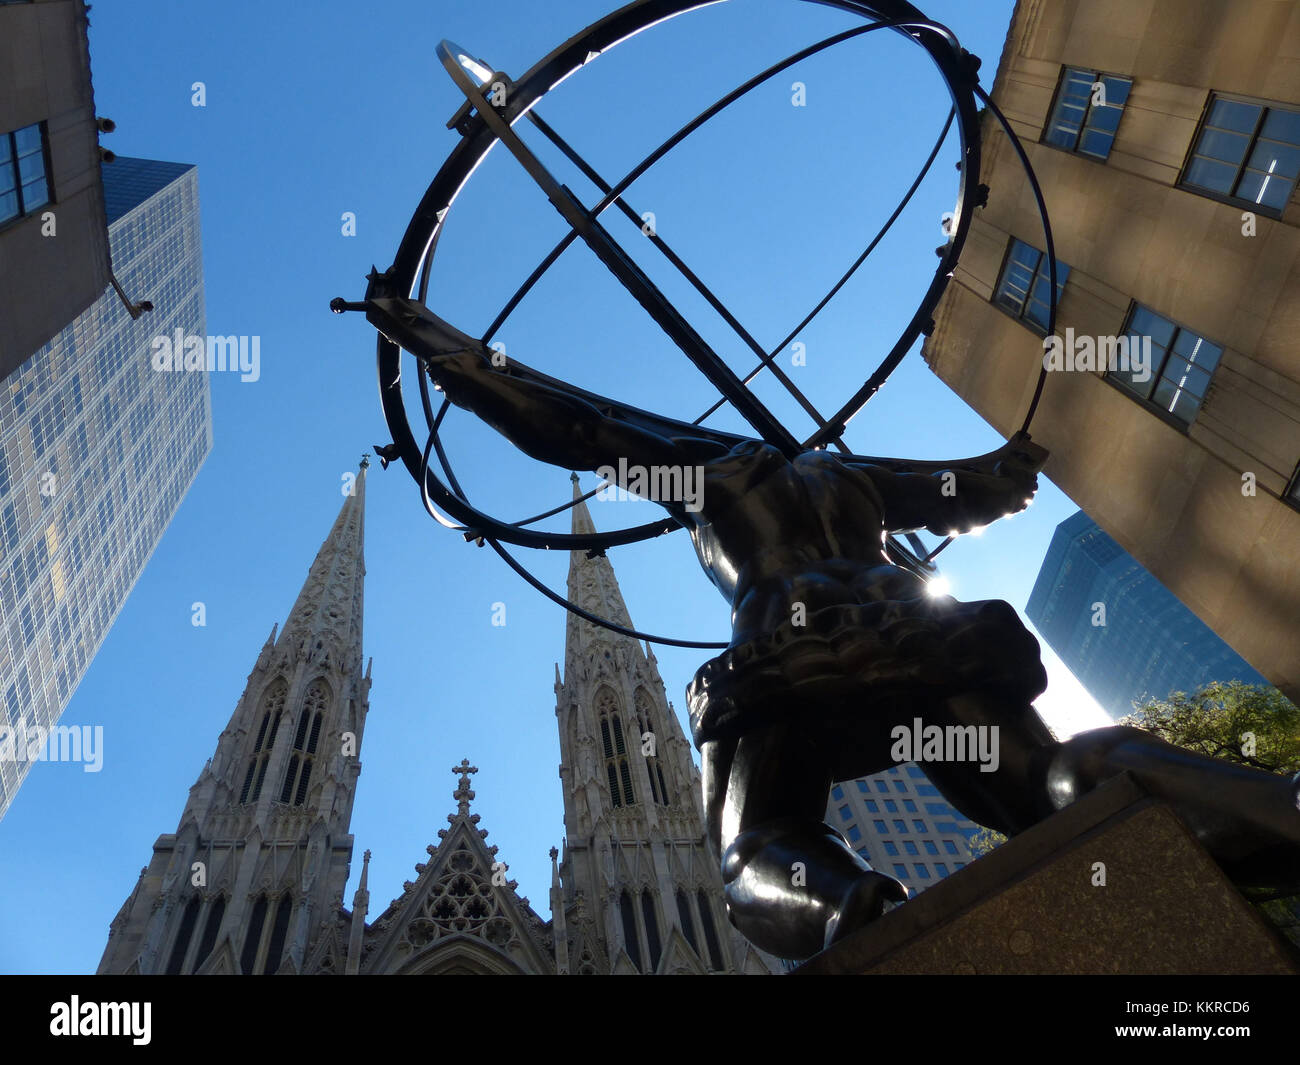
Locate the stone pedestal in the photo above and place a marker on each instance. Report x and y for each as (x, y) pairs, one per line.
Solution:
(1038, 904)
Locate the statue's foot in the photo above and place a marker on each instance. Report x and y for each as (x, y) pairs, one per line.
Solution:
(866, 900)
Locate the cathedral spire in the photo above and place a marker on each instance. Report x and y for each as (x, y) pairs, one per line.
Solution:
(640, 890)
(267, 820)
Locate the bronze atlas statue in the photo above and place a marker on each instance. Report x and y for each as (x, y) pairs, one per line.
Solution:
(835, 644)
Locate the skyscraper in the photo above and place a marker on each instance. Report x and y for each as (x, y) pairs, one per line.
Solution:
(900, 823)
(97, 450)
(1121, 632)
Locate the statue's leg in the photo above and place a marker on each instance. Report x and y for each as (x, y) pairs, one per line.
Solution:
(792, 883)
(1248, 820)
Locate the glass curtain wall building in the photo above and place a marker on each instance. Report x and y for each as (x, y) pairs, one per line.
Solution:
(97, 449)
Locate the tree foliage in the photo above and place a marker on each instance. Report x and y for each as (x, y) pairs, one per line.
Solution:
(1248, 724)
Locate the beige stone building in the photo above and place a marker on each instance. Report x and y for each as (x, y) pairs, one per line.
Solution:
(1166, 137)
(54, 255)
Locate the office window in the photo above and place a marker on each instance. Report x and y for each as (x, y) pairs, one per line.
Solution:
(900, 785)
(1025, 285)
(24, 185)
(862, 786)
(930, 848)
(918, 824)
(959, 865)
(900, 870)
(873, 807)
(916, 772)
(855, 834)
(909, 806)
(941, 869)
(938, 808)
(1180, 369)
(910, 847)
(882, 786)
(1246, 151)
(845, 813)
(899, 826)
(891, 848)
(927, 790)
(880, 826)
(837, 793)
(948, 826)
(1087, 111)
(862, 853)
(891, 806)
(893, 769)
(922, 871)
(950, 846)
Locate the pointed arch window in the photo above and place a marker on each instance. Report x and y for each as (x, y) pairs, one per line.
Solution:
(645, 717)
(614, 746)
(279, 932)
(305, 738)
(188, 920)
(651, 929)
(272, 711)
(684, 915)
(631, 940)
(216, 911)
(710, 932)
(253, 940)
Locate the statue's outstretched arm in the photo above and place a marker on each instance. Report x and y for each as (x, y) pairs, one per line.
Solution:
(958, 499)
(544, 421)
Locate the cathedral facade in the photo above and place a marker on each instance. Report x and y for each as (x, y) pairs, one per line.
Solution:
(252, 880)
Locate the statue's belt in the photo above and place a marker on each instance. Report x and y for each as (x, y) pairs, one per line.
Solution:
(847, 656)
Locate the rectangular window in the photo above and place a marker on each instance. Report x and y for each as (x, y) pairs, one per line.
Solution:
(837, 793)
(862, 786)
(900, 785)
(855, 834)
(909, 806)
(900, 870)
(899, 826)
(1086, 112)
(950, 846)
(880, 826)
(940, 868)
(882, 786)
(1182, 364)
(939, 808)
(864, 855)
(891, 848)
(872, 806)
(916, 772)
(1024, 288)
(1246, 151)
(891, 806)
(845, 813)
(910, 847)
(926, 790)
(918, 824)
(24, 181)
(930, 848)
(922, 871)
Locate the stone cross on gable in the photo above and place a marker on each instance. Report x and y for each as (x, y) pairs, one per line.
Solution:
(464, 792)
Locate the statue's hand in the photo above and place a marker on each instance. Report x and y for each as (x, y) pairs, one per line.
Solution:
(448, 367)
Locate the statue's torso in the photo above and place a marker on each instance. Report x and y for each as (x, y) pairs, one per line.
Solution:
(773, 533)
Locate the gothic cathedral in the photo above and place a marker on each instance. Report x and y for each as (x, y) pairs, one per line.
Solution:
(252, 880)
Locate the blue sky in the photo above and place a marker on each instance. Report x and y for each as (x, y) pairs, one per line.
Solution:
(311, 113)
